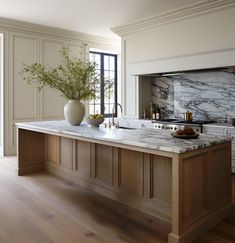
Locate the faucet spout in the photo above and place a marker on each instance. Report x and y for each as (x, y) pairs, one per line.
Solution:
(113, 111)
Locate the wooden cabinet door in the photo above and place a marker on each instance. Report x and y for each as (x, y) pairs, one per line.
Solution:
(103, 165)
(131, 172)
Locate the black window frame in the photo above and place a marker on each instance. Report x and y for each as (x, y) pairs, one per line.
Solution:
(102, 103)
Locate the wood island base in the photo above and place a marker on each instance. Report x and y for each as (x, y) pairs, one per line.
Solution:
(191, 190)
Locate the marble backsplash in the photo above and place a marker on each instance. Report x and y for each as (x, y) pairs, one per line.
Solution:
(207, 94)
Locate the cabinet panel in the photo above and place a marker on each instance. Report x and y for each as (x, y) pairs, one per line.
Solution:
(131, 171)
(31, 147)
(224, 132)
(52, 148)
(83, 159)
(193, 187)
(213, 131)
(66, 153)
(219, 182)
(104, 164)
(161, 179)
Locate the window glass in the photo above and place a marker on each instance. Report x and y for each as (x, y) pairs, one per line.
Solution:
(106, 65)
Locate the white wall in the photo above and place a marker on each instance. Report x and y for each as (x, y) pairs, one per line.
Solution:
(184, 40)
(27, 43)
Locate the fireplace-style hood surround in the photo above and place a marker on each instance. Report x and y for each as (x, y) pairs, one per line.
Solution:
(197, 37)
(220, 58)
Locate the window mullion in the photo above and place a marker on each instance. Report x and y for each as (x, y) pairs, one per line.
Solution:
(102, 84)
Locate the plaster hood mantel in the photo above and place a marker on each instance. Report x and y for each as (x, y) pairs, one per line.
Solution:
(211, 59)
(194, 37)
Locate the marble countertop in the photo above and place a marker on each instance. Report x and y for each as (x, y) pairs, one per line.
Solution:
(145, 137)
(225, 125)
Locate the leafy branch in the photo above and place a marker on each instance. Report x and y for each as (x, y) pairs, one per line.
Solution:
(74, 78)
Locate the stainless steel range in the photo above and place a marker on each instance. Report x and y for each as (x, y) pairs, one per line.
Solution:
(174, 124)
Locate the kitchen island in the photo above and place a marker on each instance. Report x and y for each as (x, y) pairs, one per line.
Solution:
(183, 182)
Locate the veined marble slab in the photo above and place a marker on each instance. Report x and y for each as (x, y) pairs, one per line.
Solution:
(144, 138)
(208, 94)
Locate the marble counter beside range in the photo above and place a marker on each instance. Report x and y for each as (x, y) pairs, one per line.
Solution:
(145, 138)
(220, 125)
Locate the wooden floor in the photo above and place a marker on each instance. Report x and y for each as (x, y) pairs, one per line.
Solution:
(42, 208)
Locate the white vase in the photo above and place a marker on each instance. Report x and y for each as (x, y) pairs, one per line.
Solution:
(74, 112)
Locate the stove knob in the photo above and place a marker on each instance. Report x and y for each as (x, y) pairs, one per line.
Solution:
(159, 126)
(163, 127)
(175, 128)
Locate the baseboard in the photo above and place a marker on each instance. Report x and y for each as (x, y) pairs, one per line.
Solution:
(30, 169)
(203, 225)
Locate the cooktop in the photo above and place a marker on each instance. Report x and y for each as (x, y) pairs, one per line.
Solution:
(175, 121)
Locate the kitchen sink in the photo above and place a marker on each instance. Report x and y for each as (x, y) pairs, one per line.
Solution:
(129, 128)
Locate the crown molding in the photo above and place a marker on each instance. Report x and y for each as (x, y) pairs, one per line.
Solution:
(16, 25)
(196, 9)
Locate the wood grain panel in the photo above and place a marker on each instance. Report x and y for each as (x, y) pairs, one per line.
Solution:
(193, 187)
(104, 163)
(66, 153)
(161, 186)
(31, 151)
(83, 159)
(219, 183)
(132, 171)
(31, 147)
(52, 148)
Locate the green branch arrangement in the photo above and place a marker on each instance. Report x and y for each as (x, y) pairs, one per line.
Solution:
(74, 78)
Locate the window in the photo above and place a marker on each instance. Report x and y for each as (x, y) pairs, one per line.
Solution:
(107, 91)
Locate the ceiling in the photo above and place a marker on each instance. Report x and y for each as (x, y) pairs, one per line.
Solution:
(95, 17)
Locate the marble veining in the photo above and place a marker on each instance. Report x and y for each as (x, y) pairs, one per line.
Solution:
(144, 138)
(209, 94)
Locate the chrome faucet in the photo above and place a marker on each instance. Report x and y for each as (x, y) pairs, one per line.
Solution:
(113, 111)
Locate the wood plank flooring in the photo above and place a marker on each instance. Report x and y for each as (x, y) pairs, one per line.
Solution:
(42, 208)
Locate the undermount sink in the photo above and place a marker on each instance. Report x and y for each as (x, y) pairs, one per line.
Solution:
(129, 128)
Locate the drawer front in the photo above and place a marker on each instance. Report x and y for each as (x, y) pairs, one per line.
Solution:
(214, 131)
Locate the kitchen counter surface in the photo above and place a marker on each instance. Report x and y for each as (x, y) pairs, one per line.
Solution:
(225, 125)
(145, 138)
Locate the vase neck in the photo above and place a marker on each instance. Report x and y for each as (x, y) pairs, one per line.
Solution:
(74, 100)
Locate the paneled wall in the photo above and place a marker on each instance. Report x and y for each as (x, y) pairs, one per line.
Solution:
(26, 103)
(28, 43)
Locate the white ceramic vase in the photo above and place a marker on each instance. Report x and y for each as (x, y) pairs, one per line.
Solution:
(74, 112)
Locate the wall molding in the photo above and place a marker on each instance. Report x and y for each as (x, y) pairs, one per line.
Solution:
(196, 9)
(16, 25)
